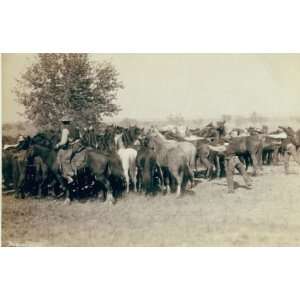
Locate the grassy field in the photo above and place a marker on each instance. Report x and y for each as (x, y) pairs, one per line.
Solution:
(269, 214)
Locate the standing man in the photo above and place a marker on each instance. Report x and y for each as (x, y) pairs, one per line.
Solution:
(232, 162)
(289, 146)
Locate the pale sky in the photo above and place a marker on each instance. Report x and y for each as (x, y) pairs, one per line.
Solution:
(191, 85)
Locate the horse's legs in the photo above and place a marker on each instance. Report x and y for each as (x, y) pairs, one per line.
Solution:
(293, 153)
(160, 173)
(125, 166)
(179, 178)
(21, 183)
(255, 164)
(59, 178)
(107, 188)
(276, 156)
(196, 160)
(229, 166)
(166, 180)
(189, 176)
(68, 196)
(259, 158)
(20, 180)
(43, 182)
(218, 166)
(286, 158)
(208, 165)
(133, 174)
(139, 179)
(16, 175)
(127, 180)
(178, 174)
(192, 161)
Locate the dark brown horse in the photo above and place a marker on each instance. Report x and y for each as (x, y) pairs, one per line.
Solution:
(105, 169)
(148, 169)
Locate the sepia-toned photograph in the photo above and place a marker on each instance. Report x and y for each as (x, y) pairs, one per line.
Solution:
(150, 149)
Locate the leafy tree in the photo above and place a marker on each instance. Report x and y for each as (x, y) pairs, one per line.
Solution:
(59, 84)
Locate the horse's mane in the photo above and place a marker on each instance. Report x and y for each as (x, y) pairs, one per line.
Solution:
(105, 140)
(159, 140)
(44, 139)
(129, 136)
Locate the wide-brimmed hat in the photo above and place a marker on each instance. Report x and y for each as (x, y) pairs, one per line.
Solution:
(66, 119)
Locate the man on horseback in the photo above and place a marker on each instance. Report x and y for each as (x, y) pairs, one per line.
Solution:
(68, 147)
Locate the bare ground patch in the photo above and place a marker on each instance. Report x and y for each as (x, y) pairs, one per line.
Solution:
(267, 215)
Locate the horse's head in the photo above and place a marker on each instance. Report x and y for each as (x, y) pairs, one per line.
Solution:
(144, 141)
(154, 132)
(151, 142)
(134, 133)
(118, 129)
(254, 131)
(25, 143)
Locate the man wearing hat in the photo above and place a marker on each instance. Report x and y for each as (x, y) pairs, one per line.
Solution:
(68, 145)
(232, 162)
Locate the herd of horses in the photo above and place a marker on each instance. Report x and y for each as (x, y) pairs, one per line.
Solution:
(120, 160)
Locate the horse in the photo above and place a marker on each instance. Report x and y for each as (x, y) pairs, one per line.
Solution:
(248, 146)
(173, 161)
(20, 169)
(271, 147)
(206, 156)
(125, 141)
(209, 137)
(7, 168)
(104, 169)
(188, 148)
(148, 169)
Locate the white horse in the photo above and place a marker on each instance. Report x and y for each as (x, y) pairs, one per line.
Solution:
(128, 159)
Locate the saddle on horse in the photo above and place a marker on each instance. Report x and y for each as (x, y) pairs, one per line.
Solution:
(70, 158)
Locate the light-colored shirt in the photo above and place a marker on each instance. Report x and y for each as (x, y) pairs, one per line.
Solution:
(64, 137)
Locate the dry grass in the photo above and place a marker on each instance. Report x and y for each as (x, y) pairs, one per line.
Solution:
(269, 214)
